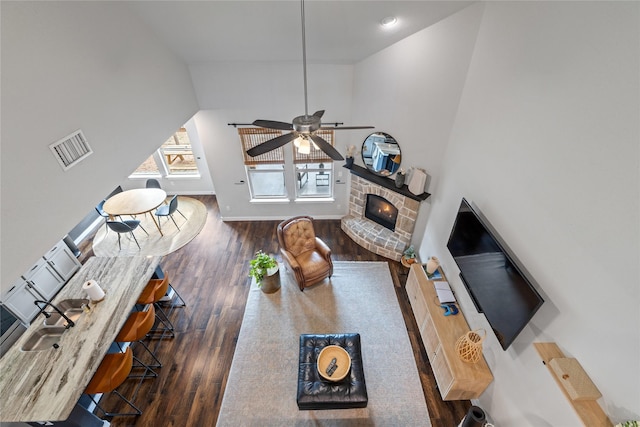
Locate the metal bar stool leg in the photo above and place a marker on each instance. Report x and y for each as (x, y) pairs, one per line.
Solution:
(157, 364)
(163, 327)
(105, 413)
(137, 363)
(182, 303)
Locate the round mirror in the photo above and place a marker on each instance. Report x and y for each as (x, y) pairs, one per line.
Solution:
(381, 154)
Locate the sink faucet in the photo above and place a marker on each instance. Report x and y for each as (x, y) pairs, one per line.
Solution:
(47, 315)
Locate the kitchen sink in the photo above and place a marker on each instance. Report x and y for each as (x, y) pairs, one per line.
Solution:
(72, 308)
(44, 338)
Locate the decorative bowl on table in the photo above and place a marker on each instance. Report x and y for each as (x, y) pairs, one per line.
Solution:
(334, 363)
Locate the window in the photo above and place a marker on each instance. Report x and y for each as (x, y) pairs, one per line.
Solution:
(266, 181)
(174, 158)
(148, 167)
(265, 172)
(312, 173)
(177, 154)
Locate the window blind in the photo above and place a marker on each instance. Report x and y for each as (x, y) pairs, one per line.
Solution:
(251, 137)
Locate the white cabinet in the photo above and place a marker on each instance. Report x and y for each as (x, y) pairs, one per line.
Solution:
(44, 279)
(41, 282)
(62, 260)
(20, 298)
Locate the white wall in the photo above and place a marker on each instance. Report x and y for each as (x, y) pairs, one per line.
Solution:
(68, 66)
(546, 144)
(411, 90)
(241, 92)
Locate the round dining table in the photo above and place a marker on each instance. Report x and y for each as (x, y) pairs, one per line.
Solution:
(135, 202)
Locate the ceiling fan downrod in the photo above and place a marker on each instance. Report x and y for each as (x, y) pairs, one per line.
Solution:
(304, 60)
(303, 128)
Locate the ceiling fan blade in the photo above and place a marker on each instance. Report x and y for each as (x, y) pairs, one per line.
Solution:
(272, 144)
(345, 127)
(319, 114)
(273, 124)
(326, 147)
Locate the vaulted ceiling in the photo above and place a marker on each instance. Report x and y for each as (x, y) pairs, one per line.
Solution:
(342, 32)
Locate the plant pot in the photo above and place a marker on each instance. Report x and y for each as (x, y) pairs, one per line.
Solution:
(407, 261)
(348, 162)
(271, 281)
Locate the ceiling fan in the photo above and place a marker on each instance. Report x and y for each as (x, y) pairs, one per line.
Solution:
(303, 128)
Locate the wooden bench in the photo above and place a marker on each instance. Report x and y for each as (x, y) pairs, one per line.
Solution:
(175, 152)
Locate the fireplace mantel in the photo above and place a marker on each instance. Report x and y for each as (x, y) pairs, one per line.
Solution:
(385, 182)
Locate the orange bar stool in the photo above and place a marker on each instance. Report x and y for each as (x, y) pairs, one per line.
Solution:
(112, 372)
(153, 292)
(135, 329)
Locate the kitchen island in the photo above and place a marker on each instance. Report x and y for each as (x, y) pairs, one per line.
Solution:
(45, 385)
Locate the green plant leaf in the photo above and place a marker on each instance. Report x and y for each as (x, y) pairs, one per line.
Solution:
(259, 266)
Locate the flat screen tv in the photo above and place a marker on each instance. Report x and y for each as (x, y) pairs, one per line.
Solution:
(496, 283)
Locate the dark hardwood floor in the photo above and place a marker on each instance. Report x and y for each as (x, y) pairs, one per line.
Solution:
(210, 273)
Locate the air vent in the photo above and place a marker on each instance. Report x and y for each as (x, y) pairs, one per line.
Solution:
(71, 149)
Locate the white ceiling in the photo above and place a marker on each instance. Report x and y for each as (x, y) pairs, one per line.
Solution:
(341, 32)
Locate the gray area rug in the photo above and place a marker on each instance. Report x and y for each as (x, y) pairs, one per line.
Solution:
(105, 242)
(262, 385)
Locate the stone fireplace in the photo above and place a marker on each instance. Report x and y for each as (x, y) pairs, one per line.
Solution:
(389, 242)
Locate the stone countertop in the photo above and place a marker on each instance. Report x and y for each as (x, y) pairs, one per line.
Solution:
(46, 385)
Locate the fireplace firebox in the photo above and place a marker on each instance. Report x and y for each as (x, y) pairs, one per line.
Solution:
(381, 211)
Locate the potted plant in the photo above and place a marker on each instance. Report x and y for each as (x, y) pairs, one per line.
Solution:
(349, 158)
(408, 256)
(264, 269)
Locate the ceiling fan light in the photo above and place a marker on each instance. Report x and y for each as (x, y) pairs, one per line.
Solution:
(315, 147)
(304, 147)
(296, 142)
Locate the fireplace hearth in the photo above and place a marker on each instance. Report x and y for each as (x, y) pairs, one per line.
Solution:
(381, 211)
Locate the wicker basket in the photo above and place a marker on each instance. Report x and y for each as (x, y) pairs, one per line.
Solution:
(469, 346)
(342, 362)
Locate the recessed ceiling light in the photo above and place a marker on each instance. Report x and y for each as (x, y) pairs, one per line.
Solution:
(389, 21)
